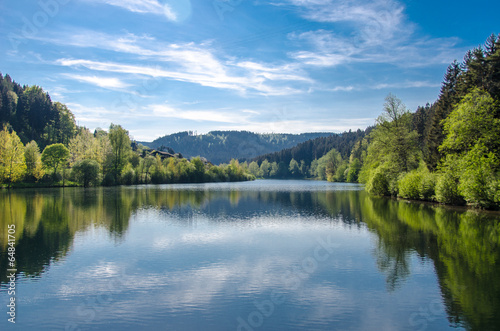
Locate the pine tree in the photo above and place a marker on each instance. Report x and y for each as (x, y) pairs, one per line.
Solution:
(442, 108)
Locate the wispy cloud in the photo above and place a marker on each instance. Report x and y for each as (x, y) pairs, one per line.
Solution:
(371, 32)
(141, 7)
(196, 115)
(187, 62)
(104, 82)
(406, 84)
(302, 125)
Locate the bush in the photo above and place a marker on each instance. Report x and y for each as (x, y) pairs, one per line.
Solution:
(109, 180)
(86, 172)
(50, 178)
(128, 176)
(428, 186)
(378, 183)
(447, 190)
(478, 178)
(409, 185)
(353, 172)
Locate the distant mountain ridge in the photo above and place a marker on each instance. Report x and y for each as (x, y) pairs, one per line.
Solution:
(222, 146)
(316, 148)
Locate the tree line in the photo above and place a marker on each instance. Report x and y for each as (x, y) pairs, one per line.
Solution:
(222, 146)
(41, 145)
(325, 158)
(448, 152)
(102, 158)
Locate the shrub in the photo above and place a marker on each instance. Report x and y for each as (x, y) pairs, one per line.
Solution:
(428, 186)
(409, 185)
(378, 183)
(109, 180)
(128, 176)
(86, 172)
(447, 190)
(478, 178)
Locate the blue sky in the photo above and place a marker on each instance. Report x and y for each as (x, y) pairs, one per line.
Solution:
(162, 66)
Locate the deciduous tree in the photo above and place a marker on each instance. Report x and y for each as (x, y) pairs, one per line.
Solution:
(12, 162)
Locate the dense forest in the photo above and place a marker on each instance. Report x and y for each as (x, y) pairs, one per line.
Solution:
(310, 158)
(30, 112)
(40, 145)
(222, 146)
(448, 151)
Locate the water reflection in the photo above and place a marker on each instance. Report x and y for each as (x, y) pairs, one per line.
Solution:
(463, 245)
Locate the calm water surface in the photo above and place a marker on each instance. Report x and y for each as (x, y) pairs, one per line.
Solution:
(263, 255)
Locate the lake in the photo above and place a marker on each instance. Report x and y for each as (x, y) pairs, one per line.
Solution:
(262, 255)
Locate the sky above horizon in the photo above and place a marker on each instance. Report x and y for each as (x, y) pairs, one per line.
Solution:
(158, 67)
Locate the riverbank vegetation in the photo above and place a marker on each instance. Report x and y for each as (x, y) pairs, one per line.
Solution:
(41, 145)
(102, 158)
(447, 152)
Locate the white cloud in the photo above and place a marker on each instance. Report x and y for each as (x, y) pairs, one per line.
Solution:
(195, 115)
(187, 62)
(371, 32)
(343, 88)
(104, 82)
(407, 84)
(142, 7)
(303, 125)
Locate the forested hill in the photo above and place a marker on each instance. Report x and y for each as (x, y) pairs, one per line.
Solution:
(316, 148)
(222, 146)
(30, 112)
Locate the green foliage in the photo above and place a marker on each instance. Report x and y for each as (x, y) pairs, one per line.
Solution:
(55, 155)
(314, 149)
(12, 160)
(198, 171)
(128, 176)
(409, 185)
(120, 149)
(294, 169)
(428, 186)
(265, 169)
(418, 184)
(472, 148)
(447, 189)
(86, 172)
(255, 170)
(378, 183)
(326, 166)
(475, 120)
(353, 171)
(32, 156)
(341, 173)
(221, 146)
(32, 114)
(62, 127)
(393, 149)
(479, 180)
